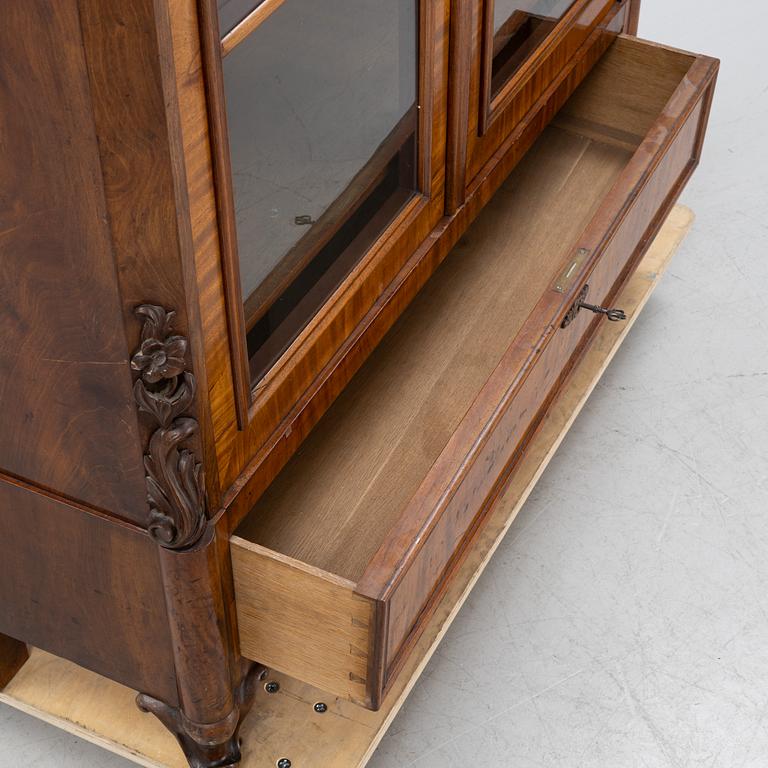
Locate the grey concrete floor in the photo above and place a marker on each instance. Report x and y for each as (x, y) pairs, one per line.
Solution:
(624, 621)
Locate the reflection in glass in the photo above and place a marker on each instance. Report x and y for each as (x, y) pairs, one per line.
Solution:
(519, 27)
(321, 106)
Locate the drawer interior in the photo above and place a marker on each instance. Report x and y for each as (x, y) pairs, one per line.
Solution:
(336, 564)
(335, 502)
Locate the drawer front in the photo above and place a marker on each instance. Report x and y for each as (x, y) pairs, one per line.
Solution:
(451, 502)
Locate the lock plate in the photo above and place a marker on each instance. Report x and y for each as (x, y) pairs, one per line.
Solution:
(575, 307)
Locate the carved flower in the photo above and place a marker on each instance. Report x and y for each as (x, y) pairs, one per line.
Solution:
(158, 360)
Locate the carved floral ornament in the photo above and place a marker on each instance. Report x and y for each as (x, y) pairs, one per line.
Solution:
(165, 390)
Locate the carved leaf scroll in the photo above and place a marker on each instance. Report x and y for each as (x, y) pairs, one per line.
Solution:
(165, 390)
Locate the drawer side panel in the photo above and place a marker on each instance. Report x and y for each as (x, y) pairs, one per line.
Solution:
(302, 621)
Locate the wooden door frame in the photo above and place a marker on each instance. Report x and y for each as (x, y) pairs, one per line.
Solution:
(253, 423)
(480, 124)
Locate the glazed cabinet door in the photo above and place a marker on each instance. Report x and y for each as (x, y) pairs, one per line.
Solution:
(512, 32)
(508, 54)
(328, 135)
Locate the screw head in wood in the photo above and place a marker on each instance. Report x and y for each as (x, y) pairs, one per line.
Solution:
(272, 686)
(321, 707)
(283, 762)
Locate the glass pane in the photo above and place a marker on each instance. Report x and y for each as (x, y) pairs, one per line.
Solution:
(232, 12)
(519, 27)
(321, 103)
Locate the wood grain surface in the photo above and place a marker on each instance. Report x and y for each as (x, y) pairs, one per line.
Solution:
(68, 418)
(85, 587)
(292, 616)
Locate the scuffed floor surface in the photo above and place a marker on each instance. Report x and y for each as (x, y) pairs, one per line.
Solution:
(624, 621)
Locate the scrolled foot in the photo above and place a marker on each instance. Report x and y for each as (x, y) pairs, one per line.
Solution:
(213, 745)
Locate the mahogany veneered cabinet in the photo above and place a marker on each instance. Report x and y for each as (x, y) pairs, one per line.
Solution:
(286, 288)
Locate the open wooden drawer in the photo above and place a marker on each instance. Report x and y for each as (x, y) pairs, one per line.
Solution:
(339, 563)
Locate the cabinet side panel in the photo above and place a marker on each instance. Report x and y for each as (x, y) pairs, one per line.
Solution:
(85, 588)
(67, 421)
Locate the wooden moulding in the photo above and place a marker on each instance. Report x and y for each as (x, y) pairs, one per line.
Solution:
(221, 170)
(633, 17)
(240, 32)
(285, 724)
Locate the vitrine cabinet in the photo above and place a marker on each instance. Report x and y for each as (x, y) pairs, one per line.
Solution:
(287, 288)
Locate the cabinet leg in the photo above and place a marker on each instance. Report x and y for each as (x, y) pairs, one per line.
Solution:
(210, 745)
(13, 656)
(215, 686)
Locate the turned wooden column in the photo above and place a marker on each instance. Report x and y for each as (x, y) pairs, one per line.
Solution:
(215, 688)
